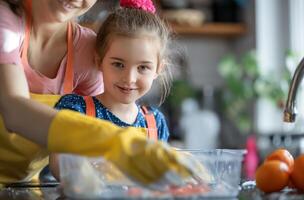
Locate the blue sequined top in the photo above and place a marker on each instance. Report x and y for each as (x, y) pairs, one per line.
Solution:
(77, 103)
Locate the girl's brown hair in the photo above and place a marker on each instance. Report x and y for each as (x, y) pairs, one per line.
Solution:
(130, 22)
(15, 5)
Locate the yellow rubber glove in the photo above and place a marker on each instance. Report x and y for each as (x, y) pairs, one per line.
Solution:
(142, 160)
(48, 99)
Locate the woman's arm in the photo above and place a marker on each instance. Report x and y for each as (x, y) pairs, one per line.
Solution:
(21, 114)
(54, 165)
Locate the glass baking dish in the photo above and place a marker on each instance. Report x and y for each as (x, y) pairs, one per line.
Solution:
(96, 178)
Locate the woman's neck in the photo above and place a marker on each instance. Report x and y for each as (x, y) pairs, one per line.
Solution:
(125, 112)
(43, 27)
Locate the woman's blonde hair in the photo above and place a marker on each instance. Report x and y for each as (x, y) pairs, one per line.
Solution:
(131, 22)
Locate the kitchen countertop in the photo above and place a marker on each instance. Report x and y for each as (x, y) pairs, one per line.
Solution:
(31, 193)
(54, 193)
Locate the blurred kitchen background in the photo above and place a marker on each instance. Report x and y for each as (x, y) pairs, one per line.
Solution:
(232, 64)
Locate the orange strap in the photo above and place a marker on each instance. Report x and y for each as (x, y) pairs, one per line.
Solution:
(28, 25)
(90, 106)
(69, 73)
(151, 123)
(150, 119)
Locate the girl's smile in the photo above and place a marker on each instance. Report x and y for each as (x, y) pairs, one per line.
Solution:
(126, 90)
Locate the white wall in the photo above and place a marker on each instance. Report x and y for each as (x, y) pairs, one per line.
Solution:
(204, 53)
(203, 56)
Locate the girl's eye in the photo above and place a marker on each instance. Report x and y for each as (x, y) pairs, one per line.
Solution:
(143, 68)
(118, 64)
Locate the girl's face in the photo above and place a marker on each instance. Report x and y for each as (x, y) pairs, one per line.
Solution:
(63, 10)
(129, 68)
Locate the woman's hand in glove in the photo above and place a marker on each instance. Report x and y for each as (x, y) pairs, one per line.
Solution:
(147, 162)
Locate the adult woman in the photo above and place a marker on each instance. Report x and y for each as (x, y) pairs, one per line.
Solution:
(49, 22)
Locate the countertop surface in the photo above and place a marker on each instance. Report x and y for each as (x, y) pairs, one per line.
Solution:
(55, 193)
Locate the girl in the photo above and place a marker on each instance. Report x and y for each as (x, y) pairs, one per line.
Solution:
(44, 48)
(131, 52)
(131, 47)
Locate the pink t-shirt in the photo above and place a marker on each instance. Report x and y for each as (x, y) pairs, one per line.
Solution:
(87, 77)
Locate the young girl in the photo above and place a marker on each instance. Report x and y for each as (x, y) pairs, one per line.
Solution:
(131, 47)
(131, 52)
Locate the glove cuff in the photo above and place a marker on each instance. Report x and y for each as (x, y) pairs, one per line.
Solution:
(47, 99)
(72, 132)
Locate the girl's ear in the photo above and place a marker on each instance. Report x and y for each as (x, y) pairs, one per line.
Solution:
(160, 68)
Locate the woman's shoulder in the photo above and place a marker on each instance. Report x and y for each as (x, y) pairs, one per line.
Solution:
(84, 43)
(9, 21)
(86, 32)
(8, 17)
(11, 34)
(85, 37)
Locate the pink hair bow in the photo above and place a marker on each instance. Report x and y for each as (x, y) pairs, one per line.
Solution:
(146, 5)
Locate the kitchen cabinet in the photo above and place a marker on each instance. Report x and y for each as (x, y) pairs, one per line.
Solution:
(207, 29)
(211, 30)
